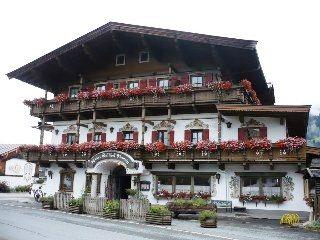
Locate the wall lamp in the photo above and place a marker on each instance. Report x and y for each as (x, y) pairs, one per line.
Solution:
(111, 129)
(218, 176)
(50, 174)
(56, 131)
(229, 124)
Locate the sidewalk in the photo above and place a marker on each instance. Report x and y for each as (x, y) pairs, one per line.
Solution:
(17, 197)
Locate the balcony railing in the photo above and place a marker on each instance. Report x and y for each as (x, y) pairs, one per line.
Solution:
(275, 155)
(200, 96)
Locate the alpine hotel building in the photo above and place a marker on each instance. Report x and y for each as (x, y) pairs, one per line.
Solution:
(170, 113)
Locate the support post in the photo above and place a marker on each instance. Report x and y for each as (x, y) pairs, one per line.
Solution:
(219, 127)
(43, 120)
(94, 185)
(78, 117)
(143, 118)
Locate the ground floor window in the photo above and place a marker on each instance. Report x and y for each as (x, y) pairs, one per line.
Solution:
(262, 186)
(175, 183)
(66, 180)
(89, 182)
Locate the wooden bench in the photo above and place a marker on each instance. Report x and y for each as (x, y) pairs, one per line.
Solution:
(189, 210)
(223, 204)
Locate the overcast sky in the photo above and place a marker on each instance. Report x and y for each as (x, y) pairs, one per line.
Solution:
(287, 33)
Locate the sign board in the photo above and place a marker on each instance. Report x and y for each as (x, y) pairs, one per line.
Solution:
(114, 156)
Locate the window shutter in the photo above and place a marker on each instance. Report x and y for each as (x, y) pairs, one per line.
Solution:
(208, 78)
(103, 137)
(154, 135)
(171, 137)
(205, 134)
(185, 79)
(64, 138)
(263, 132)
(241, 134)
(143, 84)
(135, 136)
(89, 137)
(187, 135)
(123, 85)
(109, 86)
(152, 82)
(120, 137)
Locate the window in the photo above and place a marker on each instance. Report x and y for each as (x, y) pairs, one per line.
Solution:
(252, 133)
(197, 81)
(66, 180)
(73, 92)
(163, 137)
(202, 183)
(184, 183)
(165, 183)
(97, 137)
(120, 59)
(163, 83)
(267, 186)
(71, 138)
(116, 85)
(101, 87)
(89, 183)
(132, 85)
(143, 57)
(128, 136)
(196, 136)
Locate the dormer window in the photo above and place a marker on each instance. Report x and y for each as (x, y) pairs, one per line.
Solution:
(143, 57)
(133, 84)
(101, 87)
(97, 137)
(196, 136)
(120, 59)
(163, 83)
(73, 92)
(128, 136)
(197, 81)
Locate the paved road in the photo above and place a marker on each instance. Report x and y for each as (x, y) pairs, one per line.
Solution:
(23, 221)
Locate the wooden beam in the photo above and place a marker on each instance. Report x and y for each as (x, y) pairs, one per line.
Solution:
(91, 54)
(65, 67)
(181, 52)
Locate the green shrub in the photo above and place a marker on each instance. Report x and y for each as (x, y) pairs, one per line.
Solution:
(111, 206)
(76, 202)
(314, 225)
(199, 202)
(159, 210)
(207, 214)
(46, 199)
(4, 187)
(40, 181)
(22, 188)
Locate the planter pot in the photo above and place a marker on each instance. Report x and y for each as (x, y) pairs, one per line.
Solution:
(209, 223)
(47, 205)
(75, 209)
(158, 219)
(112, 215)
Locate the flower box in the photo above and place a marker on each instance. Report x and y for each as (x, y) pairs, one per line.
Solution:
(158, 219)
(209, 223)
(75, 209)
(111, 215)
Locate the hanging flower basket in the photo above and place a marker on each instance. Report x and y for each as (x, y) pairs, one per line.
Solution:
(182, 147)
(232, 146)
(216, 86)
(61, 98)
(185, 88)
(206, 147)
(156, 148)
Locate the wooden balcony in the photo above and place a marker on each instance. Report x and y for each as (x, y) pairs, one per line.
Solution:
(275, 155)
(199, 97)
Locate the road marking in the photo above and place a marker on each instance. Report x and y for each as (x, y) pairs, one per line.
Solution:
(127, 221)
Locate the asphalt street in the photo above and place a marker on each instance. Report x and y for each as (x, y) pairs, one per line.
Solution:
(24, 221)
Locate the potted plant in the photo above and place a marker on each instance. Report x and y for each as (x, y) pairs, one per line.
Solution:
(47, 202)
(208, 219)
(75, 205)
(111, 209)
(159, 214)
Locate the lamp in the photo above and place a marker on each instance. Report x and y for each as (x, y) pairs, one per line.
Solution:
(111, 129)
(56, 131)
(218, 176)
(50, 174)
(229, 124)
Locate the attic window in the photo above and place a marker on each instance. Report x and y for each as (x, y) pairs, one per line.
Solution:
(120, 59)
(143, 57)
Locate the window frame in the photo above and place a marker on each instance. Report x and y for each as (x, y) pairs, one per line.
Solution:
(71, 135)
(165, 136)
(144, 52)
(124, 133)
(163, 79)
(100, 85)
(197, 131)
(197, 76)
(97, 134)
(74, 87)
(247, 133)
(134, 82)
(124, 59)
(63, 174)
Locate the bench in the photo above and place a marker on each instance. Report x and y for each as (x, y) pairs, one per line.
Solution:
(223, 204)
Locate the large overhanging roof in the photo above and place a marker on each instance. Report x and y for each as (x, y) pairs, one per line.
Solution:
(296, 115)
(66, 62)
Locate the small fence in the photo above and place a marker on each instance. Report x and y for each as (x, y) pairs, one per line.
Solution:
(94, 205)
(60, 200)
(134, 209)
